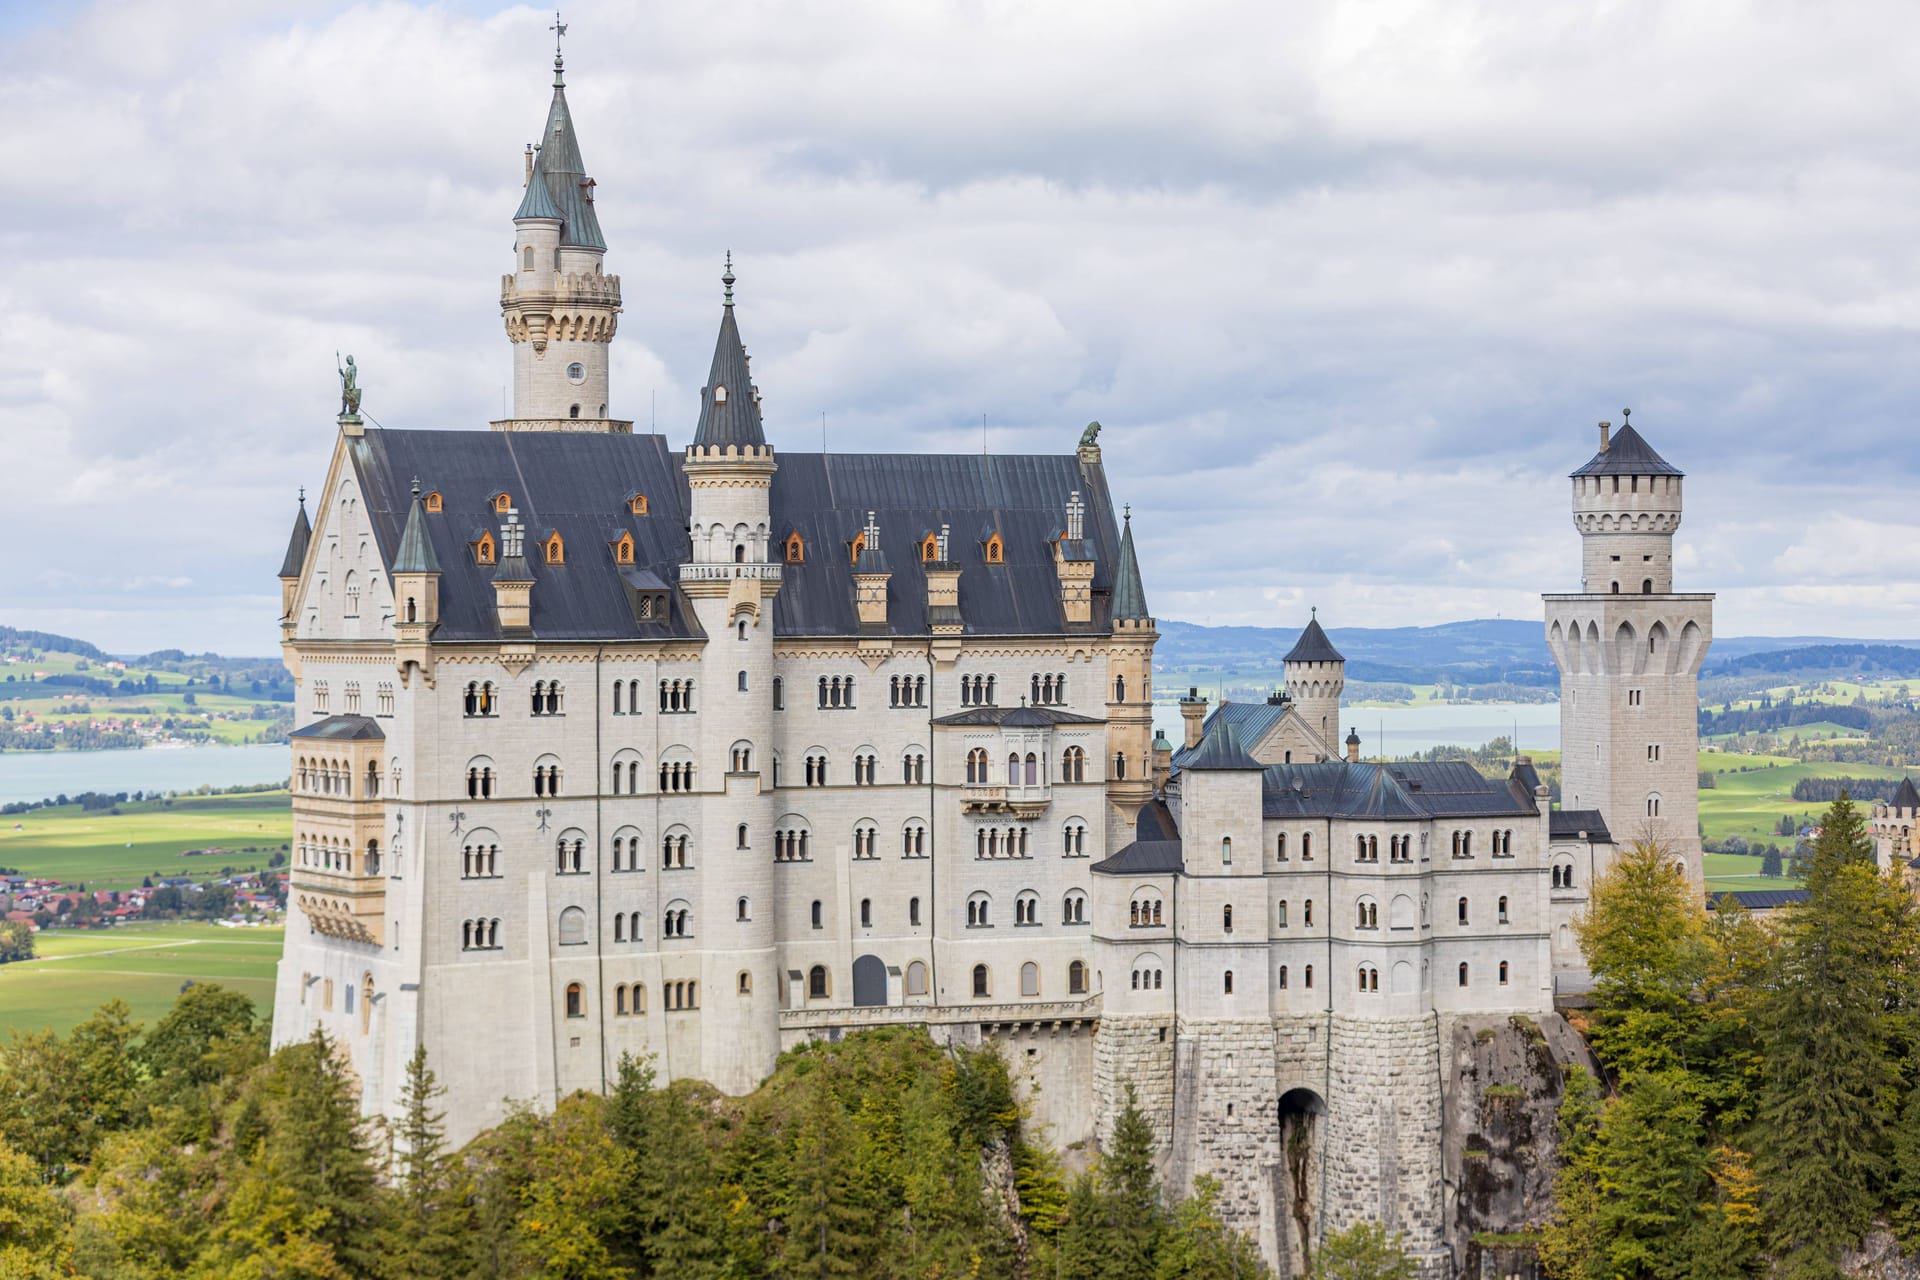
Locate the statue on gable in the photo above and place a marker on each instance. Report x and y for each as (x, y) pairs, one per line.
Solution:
(349, 387)
(1091, 436)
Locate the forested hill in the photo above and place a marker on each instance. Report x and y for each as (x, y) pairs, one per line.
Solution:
(1509, 650)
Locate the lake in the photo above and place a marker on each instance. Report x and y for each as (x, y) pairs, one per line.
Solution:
(1395, 732)
(40, 775)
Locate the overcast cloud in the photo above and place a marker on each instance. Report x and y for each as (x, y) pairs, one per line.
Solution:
(1348, 284)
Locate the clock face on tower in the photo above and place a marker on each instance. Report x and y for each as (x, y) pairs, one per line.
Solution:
(576, 372)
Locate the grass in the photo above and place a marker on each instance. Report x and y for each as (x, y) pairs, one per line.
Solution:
(107, 851)
(1752, 804)
(144, 964)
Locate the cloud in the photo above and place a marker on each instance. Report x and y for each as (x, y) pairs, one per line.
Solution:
(1347, 284)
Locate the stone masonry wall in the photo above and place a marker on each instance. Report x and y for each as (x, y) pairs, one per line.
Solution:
(1384, 1132)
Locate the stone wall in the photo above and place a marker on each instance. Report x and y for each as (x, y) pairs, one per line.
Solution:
(1384, 1131)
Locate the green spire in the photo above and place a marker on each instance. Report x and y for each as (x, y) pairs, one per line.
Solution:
(416, 548)
(1129, 594)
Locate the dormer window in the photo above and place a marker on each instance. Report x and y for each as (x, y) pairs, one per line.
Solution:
(586, 189)
(996, 549)
(503, 502)
(929, 549)
(434, 503)
(622, 549)
(556, 549)
(859, 545)
(637, 504)
(719, 393)
(483, 549)
(796, 548)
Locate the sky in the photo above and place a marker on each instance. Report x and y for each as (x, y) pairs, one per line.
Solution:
(1348, 285)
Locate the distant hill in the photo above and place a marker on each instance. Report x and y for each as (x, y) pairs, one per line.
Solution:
(1506, 650)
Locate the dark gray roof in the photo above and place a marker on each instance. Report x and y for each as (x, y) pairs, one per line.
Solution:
(1129, 595)
(1405, 789)
(342, 729)
(1313, 646)
(574, 481)
(558, 188)
(1251, 720)
(1906, 797)
(1628, 455)
(581, 484)
(416, 549)
(1525, 775)
(734, 416)
(1757, 899)
(1155, 822)
(296, 556)
(1142, 858)
(1014, 717)
(1221, 749)
(826, 497)
(1567, 824)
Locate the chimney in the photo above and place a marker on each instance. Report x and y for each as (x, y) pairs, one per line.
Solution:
(1193, 710)
(1353, 746)
(1605, 442)
(526, 179)
(1073, 565)
(512, 581)
(870, 577)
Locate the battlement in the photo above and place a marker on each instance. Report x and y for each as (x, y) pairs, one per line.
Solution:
(575, 288)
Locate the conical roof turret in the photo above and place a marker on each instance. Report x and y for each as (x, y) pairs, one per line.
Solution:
(559, 187)
(1906, 797)
(1221, 749)
(416, 549)
(1313, 645)
(296, 557)
(1129, 594)
(729, 405)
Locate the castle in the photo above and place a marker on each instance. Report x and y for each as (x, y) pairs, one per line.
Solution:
(608, 747)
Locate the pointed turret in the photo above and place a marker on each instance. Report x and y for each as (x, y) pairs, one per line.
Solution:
(1313, 645)
(1129, 594)
(1316, 674)
(296, 555)
(416, 549)
(416, 592)
(729, 403)
(559, 186)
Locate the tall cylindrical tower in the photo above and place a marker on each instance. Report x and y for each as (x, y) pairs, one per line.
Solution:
(560, 307)
(1629, 649)
(1316, 673)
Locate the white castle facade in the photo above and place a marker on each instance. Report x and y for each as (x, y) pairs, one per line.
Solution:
(610, 747)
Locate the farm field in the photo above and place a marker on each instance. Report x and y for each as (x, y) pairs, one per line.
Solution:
(1750, 804)
(108, 851)
(76, 971)
(1738, 873)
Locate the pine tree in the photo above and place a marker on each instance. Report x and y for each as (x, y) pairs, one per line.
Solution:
(1644, 937)
(1834, 1019)
(1196, 1245)
(1770, 864)
(426, 1237)
(1570, 1242)
(1130, 1194)
(1652, 1171)
(826, 1226)
(1363, 1251)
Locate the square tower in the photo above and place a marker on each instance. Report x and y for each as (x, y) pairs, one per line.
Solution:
(1629, 650)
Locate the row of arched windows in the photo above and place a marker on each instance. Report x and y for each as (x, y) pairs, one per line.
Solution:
(1144, 913)
(836, 692)
(546, 780)
(676, 775)
(1026, 908)
(992, 842)
(1049, 690)
(676, 696)
(976, 691)
(909, 691)
(332, 853)
(1563, 876)
(1306, 847)
(319, 777)
(480, 699)
(546, 697)
(1502, 844)
(480, 935)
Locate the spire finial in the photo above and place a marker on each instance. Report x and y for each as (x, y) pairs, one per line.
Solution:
(559, 29)
(303, 495)
(416, 486)
(727, 279)
(1313, 612)
(1624, 415)
(1127, 513)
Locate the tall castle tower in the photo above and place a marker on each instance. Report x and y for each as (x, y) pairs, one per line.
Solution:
(1130, 711)
(732, 580)
(1316, 674)
(560, 307)
(1629, 650)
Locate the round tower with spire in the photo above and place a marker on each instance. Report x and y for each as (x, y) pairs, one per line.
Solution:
(1130, 768)
(1316, 674)
(560, 307)
(732, 579)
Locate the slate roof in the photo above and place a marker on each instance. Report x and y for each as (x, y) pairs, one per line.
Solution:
(1906, 797)
(1399, 790)
(1567, 824)
(1628, 455)
(1155, 822)
(557, 188)
(733, 417)
(1313, 646)
(1251, 720)
(1129, 594)
(581, 483)
(1142, 857)
(1221, 750)
(1758, 899)
(416, 549)
(343, 729)
(296, 555)
(1015, 717)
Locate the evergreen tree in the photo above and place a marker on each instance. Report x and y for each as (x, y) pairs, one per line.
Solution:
(1081, 1249)
(1770, 864)
(677, 1209)
(1130, 1195)
(1645, 941)
(1196, 1245)
(59, 1098)
(826, 1225)
(1652, 1171)
(34, 1236)
(1569, 1243)
(575, 1204)
(1834, 1020)
(1363, 1251)
(426, 1236)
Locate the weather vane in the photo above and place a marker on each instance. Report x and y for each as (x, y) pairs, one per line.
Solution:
(559, 29)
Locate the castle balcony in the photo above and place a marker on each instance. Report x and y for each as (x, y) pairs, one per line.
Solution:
(575, 288)
(1018, 802)
(340, 904)
(601, 426)
(729, 571)
(818, 1023)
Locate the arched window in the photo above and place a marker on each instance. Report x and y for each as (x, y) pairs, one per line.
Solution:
(1653, 806)
(1503, 973)
(981, 989)
(1226, 848)
(916, 978)
(817, 982)
(1306, 849)
(817, 914)
(1503, 909)
(1073, 765)
(1463, 910)
(1306, 977)
(996, 550)
(913, 912)
(1646, 586)
(576, 1002)
(1029, 979)
(1119, 767)
(526, 258)
(1226, 982)
(556, 548)
(1226, 917)
(866, 913)
(1463, 973)
(573, 927)
(744, 983)
(979, 911)
(796, 548)
(1077, 979)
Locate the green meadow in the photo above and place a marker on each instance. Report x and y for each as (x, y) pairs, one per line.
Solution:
(1751, 804)
(105, 850)
(76, 971)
